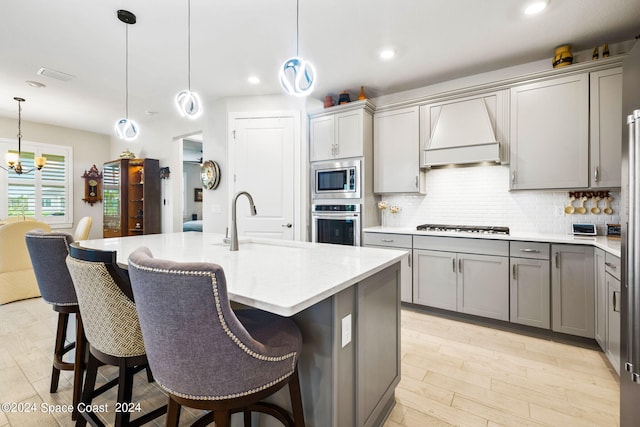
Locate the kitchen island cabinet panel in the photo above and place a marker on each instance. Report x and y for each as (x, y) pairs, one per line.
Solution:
(399, 242)
(614, 300)
(572, 295)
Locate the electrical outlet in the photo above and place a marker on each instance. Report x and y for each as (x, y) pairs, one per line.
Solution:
(346, 330)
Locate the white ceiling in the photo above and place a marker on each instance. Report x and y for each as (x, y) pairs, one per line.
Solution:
(435, 40)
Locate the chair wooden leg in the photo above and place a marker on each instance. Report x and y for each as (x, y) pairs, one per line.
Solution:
(222, 418)
(149, 375)
(89, 386)
(125, 392)
(296, 399)
(61, 334)
(78, 365)
(247, 418)
(173, 413)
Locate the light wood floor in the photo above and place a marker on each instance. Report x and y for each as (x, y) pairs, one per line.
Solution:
(453, 373)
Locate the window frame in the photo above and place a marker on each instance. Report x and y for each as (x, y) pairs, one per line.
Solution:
(39, 148)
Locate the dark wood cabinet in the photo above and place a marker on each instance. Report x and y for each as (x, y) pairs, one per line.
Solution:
(131, 197)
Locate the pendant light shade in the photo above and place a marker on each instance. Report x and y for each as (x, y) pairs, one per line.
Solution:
(297, 76)
(125, 128)
(188, 102)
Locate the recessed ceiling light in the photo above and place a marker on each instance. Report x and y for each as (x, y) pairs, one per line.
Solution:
(253, 80)
(34, 84)
(387, 54)
(535, 7)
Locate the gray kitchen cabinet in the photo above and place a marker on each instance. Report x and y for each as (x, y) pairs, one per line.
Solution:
(465, 275)
(549, 134)
(612, 348)
(600, 278)
(400, 242)
(530, 287)
(605, 127)
(396, 152)
(341, 132)
(572, 290)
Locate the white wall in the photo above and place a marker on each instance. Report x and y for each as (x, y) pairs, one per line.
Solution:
(480, 196)
(88, 149)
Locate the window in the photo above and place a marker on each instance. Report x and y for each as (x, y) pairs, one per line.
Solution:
(47, 194)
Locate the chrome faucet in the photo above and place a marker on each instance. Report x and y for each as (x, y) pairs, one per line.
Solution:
(234, 225)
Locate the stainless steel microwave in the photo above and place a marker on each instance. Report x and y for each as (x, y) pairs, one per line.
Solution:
(336, 180)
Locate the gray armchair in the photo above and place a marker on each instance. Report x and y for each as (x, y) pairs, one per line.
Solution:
(204, 354)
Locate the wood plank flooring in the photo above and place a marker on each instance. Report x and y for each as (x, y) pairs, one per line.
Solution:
(453, 373)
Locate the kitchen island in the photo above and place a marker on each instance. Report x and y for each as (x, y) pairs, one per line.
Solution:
(345, 299)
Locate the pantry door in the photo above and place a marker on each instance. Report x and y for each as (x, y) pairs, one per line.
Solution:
(262, 159)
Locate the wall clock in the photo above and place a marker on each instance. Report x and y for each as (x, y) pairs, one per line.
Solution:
(92, 186)
(210, 175)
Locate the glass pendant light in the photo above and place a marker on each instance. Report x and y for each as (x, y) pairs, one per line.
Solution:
(188, 102)
(125, 128)
(297, 76)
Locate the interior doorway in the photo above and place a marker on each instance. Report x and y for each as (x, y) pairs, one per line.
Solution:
(188, 201)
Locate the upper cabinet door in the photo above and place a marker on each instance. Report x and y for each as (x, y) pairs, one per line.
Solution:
(606, 128)
(396, 152)
(550, 134)
(348, 131)
(321, 138)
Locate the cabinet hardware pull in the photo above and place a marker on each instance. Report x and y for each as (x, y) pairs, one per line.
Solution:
(535, 251)
(557, 260)
(596, 174)
(386, 240)
(460, 265)
(337, 149)
(615, 302)
(513, 177)
(611, 265)
(416, 181)
(513, 271)
(453, 264)
(409, 260)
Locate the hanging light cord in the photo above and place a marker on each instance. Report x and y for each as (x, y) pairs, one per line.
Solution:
(19, 128)
(297, 27)
(126, 71)
(189, 46)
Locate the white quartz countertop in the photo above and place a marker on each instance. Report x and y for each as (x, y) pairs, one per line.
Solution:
(282, 277)
(611, 245)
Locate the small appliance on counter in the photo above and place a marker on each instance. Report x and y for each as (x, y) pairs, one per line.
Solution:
(613, 231)
(582, 230)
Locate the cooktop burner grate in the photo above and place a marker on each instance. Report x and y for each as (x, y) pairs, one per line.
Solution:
(482, 229)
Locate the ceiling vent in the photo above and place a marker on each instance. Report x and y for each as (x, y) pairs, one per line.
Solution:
(58, 75)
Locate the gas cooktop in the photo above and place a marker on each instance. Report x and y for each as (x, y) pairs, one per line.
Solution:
(481, 229)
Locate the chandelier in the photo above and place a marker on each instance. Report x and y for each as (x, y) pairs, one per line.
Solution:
(13, 159)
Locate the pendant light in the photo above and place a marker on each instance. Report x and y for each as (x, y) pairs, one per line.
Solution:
(126, 128)
(13, 159)
(297, 76)
(188, 102)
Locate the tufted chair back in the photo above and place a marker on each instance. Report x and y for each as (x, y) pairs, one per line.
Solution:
(48, 252)
(106, 303)
(196, 345)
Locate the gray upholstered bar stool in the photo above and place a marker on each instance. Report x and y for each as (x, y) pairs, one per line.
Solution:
(112, 330)
(205, 355)
(48, 252)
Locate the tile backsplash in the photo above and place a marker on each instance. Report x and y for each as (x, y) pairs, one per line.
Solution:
(480, 196)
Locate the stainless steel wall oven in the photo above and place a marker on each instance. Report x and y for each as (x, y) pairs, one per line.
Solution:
(336, 223)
